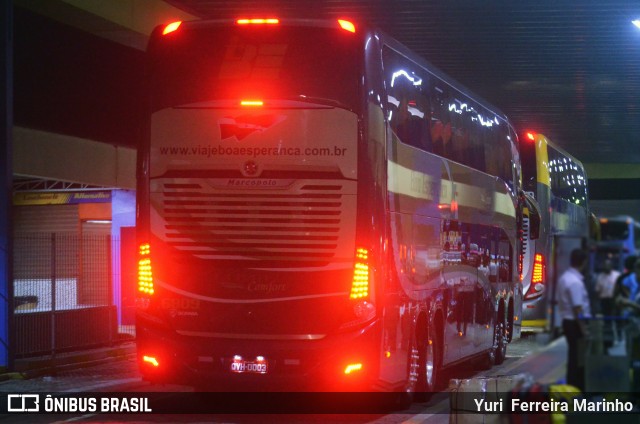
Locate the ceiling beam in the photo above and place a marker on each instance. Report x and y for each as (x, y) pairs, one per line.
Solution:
(127, 22)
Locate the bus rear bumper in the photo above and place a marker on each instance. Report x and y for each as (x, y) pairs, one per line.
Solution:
(341, 362)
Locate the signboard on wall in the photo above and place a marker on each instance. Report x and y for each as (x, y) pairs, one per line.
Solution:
(61, 198)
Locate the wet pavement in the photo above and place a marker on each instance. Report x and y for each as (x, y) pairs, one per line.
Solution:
(544, 362)
(122, 372)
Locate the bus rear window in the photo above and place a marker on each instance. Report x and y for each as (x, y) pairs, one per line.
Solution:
(197, 64)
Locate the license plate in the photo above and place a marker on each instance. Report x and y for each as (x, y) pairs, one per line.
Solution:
(257, 365)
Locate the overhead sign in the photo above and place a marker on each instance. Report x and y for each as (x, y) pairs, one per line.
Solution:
(61, 198)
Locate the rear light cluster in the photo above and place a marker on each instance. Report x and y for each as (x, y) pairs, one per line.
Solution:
(538, 270)
(360, 285)
(361, 297)
(538, 278)
(145, 275)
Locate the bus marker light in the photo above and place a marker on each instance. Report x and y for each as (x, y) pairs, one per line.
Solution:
(258, 21)
(353, 368)
(151, 360)
(251, 103)
(387, 354)
(530, 136)
(173, 26)
(346, 25)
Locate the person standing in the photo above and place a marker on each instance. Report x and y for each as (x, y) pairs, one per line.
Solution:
(573, 304)
(605, 285)
(632, 305)
(625, 288)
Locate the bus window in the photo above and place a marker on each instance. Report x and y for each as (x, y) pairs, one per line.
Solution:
(289, 62)
(410, 113)
(568, 180)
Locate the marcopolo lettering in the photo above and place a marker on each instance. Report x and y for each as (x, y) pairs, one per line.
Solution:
(252, 183)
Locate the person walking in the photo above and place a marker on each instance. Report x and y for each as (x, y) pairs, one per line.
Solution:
(605, 285)
(573, 305)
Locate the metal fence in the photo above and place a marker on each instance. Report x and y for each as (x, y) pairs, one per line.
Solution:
(63, 293)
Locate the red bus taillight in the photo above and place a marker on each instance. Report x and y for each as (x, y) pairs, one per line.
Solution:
(361, 295)
(538, 278)
(145, 275)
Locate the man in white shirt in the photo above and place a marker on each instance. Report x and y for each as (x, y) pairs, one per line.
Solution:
(605, 285)
(573, 304)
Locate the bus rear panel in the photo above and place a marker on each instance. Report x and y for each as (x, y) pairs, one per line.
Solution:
(248, 228)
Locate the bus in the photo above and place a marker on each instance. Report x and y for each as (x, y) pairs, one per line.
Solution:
(558, 183)
(620, 237)
(319, 209)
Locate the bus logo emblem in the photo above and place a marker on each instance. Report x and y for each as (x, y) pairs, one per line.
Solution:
(250, 168)
(245, 125)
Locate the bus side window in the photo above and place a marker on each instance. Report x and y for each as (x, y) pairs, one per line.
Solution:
(440, 123)
(505, 253)
(410, 116)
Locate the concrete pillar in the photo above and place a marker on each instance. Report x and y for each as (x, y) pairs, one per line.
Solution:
(6, 177)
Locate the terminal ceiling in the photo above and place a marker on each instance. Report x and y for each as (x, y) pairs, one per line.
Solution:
(567, 69)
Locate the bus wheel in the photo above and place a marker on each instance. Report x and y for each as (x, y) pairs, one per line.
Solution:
(413, 365)
(488, 360)
(429, 366)
(406, 397)
(500, 343)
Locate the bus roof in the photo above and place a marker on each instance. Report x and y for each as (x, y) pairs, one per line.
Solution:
(548, 142)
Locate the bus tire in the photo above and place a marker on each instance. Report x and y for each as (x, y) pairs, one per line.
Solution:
(429, 374)
(510, 327)
(488, 360)
(500, 342)
(406, 397)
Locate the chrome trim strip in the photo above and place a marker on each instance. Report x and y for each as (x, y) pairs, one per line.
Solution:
(244, 301)
(252, 336)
